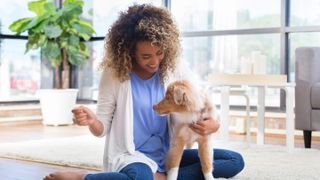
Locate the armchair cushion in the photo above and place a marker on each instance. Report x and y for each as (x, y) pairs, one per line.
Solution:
(315, 96)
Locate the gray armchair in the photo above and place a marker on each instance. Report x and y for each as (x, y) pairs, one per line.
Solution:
(307, 91)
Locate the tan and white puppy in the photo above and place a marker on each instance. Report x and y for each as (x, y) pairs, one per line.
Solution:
(186, 105)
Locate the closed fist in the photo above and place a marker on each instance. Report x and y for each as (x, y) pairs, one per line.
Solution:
(83, 116)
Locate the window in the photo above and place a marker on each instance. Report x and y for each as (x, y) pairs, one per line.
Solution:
(226, 14)
(231, 36)
(232, 54)
(227, 54)
(218, 36)
(19, 72)
(11, 10)
(104, 13)
(304, 13)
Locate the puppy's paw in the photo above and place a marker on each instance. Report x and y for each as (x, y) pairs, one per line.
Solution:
(208, 176)
(172, 174)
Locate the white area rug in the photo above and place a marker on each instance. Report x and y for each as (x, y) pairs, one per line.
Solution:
(266, 162)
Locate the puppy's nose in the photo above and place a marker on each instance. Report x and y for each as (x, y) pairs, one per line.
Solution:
(154, 107)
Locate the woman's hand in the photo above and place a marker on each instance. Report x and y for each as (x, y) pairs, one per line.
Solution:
(83, 116)
(205, 126)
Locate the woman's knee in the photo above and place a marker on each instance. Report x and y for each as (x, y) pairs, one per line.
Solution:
(238, 163)
(138, 171)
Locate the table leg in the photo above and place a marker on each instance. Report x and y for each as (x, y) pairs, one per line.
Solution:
(248, 121)
(261, 114)
(224, 117)
(290, 117)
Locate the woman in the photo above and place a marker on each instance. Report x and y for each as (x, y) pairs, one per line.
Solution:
(142, 48)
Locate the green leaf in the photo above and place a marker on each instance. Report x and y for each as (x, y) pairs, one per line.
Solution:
(42, 40)
(29, 46)
(73, 40)
(84, 50)
(52, 31)
(34, 22)
(50, 8)
(83, 46)
(55, 62)
(85, 25)
(40, 26)
(37, 7)
(77, 2)
(20, 24)
(83, 30)
(52, 52)
(56, 16)
(69, 40)
(64, 24)
(71, 11)
(42, 8)
(33, 42)
(75, 57)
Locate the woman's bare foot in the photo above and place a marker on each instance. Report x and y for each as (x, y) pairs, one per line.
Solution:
(67, 175)
(159, 176)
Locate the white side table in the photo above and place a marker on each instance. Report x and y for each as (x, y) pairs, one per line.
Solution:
(225, 81)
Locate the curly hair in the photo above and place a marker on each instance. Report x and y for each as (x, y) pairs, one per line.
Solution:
(141, 23)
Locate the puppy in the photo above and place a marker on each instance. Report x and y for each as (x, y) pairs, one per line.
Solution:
(186, 105)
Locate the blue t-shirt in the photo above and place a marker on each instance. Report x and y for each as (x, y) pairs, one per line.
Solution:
(150, 130)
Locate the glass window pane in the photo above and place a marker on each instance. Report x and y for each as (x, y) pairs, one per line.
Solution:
(97, 56)
(235, 54)
(89, 75)
(226, 14)
(12, 10)
(104, 13)
(98, 52)
(304, 13)
(19, 72)
(229, 54)
(300, 40)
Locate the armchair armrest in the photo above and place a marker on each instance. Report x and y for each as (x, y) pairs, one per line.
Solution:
(315, 96)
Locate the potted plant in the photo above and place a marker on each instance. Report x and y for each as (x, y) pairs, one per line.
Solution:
(59, 33)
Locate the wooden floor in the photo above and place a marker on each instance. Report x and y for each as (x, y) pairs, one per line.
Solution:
(11, 169)
(23, 170)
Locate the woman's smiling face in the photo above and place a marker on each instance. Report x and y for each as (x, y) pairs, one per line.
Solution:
(148, 58)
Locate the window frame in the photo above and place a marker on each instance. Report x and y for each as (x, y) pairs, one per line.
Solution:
(284, 30)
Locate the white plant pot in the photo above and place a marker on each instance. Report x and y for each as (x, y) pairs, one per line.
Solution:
(56, 105)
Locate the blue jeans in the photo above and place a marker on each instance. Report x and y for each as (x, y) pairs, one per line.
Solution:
(226, 165)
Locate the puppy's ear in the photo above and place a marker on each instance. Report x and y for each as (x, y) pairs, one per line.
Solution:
(179, 96)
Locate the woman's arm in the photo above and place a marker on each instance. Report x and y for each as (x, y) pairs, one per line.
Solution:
(106, 105)
(96, 128)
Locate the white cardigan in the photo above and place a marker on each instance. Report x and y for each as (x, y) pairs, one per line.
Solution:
(115, 111)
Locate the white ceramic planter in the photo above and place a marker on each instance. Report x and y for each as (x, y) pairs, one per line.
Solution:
(56, 105)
